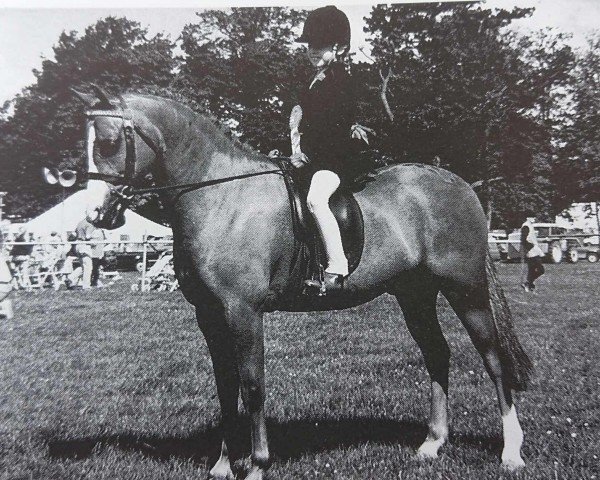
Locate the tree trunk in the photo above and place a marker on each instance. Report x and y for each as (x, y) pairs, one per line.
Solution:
(489, 209)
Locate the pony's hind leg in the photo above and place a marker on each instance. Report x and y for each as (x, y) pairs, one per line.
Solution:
(472, 308)
(418, 303)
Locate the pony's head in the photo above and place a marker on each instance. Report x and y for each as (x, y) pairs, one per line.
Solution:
(121, 147)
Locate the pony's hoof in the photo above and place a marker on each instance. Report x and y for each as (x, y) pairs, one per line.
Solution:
(513, 463)
(227, 476)
(256, 473)
(429, 449)
(221, 471)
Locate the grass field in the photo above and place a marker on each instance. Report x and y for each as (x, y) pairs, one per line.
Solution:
(109, 384)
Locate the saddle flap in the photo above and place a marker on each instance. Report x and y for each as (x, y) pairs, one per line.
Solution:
(345, 208)
(348, 214)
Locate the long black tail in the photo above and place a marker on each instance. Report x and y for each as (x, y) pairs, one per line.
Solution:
(517, 365)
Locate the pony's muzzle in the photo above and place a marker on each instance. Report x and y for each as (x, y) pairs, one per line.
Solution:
(112, 214)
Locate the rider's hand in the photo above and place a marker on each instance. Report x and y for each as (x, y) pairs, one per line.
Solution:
(299, 159)
(360, 132)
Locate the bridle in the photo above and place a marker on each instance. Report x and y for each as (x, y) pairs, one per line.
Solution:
(131, 186)
(129, 130)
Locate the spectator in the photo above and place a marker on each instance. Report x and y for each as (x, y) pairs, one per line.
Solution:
(55, 245)
(97, 256)
(21, 257)
(5, 278)
(6, 285)
(85, 232)
(75, 274)
(532, 255)
(51, 251)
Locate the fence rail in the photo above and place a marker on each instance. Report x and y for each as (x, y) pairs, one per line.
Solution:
(120, 246)
(117, 244)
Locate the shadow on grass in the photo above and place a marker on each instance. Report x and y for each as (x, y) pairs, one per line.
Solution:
(289, 440)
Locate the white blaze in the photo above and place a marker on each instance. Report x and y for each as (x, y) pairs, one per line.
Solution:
(97, 190)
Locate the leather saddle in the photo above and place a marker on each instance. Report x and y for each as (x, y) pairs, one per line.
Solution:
(310, 253)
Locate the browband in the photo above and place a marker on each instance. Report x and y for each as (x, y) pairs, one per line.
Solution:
(107, 113)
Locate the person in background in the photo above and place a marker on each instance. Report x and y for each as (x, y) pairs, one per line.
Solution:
(21, 257)
(84, 232)
(5, 283)
(51, 250)
(75, 274)
(532, 254)
(5, 275)
(54, 242)
(97, 256)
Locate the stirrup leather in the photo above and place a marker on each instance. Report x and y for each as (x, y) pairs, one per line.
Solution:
(327, 282)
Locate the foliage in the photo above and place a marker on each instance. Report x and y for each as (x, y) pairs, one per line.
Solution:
(580, 175)
(464, 93)
(46, 127)
(242, 65)
(473, 97)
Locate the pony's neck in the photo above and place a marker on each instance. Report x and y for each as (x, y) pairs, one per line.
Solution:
(196, 149)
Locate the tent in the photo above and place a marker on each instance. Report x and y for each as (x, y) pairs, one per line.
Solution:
(136, 227)
(65, 216)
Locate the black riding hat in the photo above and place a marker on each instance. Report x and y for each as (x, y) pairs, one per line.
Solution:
(326, 26)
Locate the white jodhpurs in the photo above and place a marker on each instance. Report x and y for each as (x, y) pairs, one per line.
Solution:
(323, 184)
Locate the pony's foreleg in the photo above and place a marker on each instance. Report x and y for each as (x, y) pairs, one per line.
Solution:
(246, 324)
(218, 338)
(419, 308)
(474, 312)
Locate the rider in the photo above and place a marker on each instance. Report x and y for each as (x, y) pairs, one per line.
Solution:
(330, 137)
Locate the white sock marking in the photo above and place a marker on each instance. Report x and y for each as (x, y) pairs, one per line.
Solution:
(513, 439)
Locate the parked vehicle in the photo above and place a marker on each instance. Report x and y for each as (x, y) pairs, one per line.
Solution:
(558, 243)
(497, 244)
(592, 240)
(130, 261)
(591, 254)
(129, 256)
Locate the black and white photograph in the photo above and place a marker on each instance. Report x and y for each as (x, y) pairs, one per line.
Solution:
(299, 240)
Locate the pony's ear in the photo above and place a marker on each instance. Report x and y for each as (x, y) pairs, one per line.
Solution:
(86, 98)
(102, 95)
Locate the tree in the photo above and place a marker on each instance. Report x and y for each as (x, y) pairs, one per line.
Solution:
(448, 86)
(580, 175)
(46, 127)
(465, 92)
(242, 66)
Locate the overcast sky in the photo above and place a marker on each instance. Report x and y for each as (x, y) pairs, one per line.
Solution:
(27, 35)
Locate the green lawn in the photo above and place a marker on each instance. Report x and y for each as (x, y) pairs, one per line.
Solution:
(109, 384)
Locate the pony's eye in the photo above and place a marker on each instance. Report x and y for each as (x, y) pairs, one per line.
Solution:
(107, 147)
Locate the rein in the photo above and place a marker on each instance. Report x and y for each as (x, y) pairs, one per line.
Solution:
(128, 179)
(196, 185)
